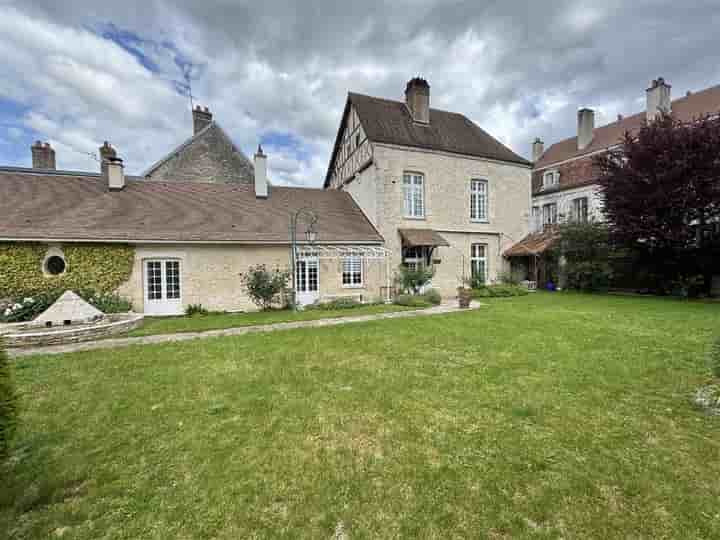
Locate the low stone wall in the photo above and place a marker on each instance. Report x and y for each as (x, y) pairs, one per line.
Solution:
(38, 338)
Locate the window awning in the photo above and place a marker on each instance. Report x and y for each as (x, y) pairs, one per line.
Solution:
(422, 237)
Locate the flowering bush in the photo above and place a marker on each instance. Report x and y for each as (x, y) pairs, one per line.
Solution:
(264, 286)
(26, 308)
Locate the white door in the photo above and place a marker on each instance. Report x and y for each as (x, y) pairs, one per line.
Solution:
(163, 294)
(307, 280)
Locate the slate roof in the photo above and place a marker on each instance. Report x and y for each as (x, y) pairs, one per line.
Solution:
(685, 109)
(75, 207)
(388, 121)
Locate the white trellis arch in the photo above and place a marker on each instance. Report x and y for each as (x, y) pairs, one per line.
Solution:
(339, 251)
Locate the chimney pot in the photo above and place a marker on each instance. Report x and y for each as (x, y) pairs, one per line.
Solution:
(115, 174)
(261, 182)
(658, 98)
(538, 148)
(201, 118)
(586, 127)
(106, 152)
(417, 99)
(43, 156)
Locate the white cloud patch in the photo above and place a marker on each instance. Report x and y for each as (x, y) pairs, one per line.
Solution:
(519, 70)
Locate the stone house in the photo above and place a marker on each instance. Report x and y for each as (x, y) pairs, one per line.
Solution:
(441, 191)
(167, 244)
(564, 176)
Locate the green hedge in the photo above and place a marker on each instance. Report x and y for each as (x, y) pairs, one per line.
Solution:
(101, 267)
(499, 291)
(8, 404)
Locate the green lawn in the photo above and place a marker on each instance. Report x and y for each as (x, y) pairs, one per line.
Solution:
(544, 416)
(218, 321)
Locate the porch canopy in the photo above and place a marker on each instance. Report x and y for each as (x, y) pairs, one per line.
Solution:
(534, 244)
(421, 237)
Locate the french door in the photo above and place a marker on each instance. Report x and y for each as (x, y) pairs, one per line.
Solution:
(307, 280)
(163, 288)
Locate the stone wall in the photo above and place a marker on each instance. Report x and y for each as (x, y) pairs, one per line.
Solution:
(210, 274)
(209, 157)
(447, 206)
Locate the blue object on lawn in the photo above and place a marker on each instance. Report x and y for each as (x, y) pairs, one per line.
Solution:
(550, 286)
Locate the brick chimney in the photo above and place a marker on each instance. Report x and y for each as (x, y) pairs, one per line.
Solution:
(658, 99)
(538, 148)
(115, 174)
(261, 182)
(106, 153)
(201, 118)
(586, 127)
(417, 99)
(43, 155)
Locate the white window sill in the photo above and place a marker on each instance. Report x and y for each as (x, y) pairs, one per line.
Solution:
(484, 221)
(416, 218)
(361, 286)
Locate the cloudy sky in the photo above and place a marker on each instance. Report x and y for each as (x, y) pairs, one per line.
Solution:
(77, 73)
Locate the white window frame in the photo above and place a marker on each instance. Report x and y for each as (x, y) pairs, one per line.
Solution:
(553, 214)
(551, 179)
(352, 266)
(413, 195)
(478, 258)
(576, 208)
(479, 199)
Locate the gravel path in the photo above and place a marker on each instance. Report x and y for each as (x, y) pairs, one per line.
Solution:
(239, 331)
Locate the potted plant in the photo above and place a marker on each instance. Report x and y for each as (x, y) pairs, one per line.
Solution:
(464, 296)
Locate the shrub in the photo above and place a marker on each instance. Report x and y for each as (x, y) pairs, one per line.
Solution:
(499, 291)
(411, 300)
(476, 281)
(343, 302)
(106, 302)
(412, 280)
(264, 286)
(586, 248)
(195, 309)
(8, 404)
(432, 296)
(715, 358)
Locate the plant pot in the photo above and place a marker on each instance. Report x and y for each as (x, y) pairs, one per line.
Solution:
(464, 297)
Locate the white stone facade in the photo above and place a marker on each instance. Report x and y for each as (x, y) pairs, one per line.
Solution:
(564, 201)
(378, 190)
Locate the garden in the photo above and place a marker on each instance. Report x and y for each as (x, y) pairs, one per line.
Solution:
(545, 415)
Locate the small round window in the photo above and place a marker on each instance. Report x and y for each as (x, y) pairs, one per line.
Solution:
(55, 265)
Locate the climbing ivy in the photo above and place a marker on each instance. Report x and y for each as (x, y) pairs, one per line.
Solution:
(102, 267)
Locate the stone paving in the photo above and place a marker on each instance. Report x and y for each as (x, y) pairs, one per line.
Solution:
(238, 331)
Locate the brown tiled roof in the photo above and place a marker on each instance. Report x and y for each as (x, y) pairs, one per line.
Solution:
(422, 237)
(79, 207)
(534, 243)
(685, 109)
(388, 121)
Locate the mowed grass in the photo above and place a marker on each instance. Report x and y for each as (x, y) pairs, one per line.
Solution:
(544, 416)
(219, 321)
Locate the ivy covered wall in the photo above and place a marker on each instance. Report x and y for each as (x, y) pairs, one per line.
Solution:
(102, 267)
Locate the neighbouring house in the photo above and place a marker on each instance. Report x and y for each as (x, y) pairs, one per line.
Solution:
(208, 156)
(168, 244)
(564, 176)
(441, 191)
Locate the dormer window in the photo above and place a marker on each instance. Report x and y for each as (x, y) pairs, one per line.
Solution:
(551, 179)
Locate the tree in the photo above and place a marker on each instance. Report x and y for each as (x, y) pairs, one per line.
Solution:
(662, 196)
(585, 248)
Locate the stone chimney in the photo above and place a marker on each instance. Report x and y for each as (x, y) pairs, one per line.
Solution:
(115, 174)
(43, 155)
(538, 148)
(586, 127)
(261, 182)
(201, 118)
(417, 99)
(106, 152)
(658, 99)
